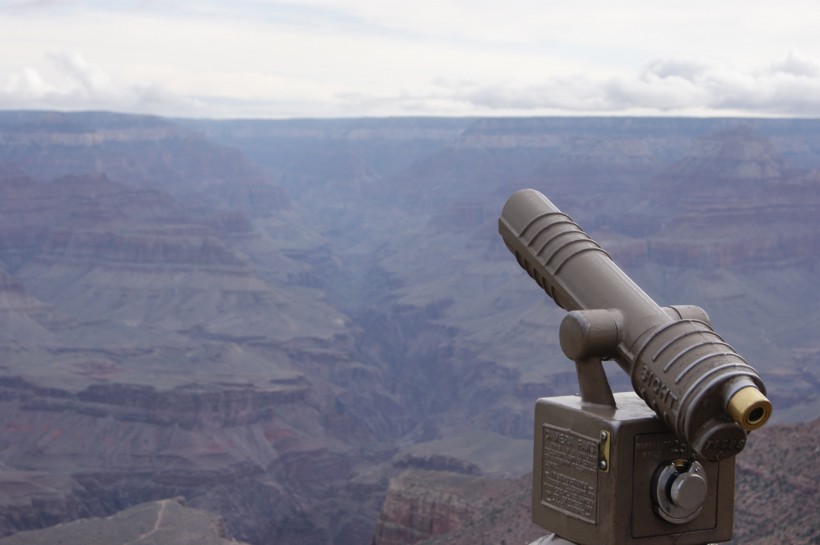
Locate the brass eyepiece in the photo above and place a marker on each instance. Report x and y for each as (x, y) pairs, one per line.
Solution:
(749, 408)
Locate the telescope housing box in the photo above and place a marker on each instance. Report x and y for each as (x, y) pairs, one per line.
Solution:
(595, 467)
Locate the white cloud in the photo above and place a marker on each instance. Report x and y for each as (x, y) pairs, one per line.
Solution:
(25, 84)
(796, 64)
(86, 77)
(673, 85)
(684, 68)
(78, 84)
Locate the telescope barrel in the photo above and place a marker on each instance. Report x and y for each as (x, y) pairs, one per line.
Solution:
(696, 383)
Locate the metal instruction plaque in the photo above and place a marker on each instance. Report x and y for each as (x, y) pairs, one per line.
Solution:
(569, 480)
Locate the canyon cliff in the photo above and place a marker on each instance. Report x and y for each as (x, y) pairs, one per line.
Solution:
(775, 502)
(311, 328)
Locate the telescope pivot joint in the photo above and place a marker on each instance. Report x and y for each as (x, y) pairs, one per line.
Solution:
(588, 337)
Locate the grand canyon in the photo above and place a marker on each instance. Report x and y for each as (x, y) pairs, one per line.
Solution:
(310, 332)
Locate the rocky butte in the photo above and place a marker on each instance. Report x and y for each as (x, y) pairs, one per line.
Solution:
(310, 329)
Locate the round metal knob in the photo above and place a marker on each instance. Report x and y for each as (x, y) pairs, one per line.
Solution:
(679, 491)
(688, 490)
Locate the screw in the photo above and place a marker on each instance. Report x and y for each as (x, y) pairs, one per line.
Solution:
(604, 436)
(602, 464)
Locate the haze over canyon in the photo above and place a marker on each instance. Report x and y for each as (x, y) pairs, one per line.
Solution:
(310, 332)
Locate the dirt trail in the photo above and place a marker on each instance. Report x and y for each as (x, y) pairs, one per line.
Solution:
(157, 523)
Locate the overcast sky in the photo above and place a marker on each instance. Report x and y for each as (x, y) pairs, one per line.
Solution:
(326, 58)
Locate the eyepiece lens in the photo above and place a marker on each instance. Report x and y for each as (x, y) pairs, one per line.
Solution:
(749, 408)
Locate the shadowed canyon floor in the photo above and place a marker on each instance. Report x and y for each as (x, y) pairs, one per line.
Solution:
(164, 521)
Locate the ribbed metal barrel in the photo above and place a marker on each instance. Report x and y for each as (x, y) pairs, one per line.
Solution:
(683, 370)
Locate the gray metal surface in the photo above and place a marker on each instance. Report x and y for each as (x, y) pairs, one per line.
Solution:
(578, 497)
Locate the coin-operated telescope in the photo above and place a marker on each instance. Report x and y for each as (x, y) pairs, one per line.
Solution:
(652, 467)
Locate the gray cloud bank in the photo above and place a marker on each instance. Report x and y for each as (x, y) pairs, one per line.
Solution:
(789, 86)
